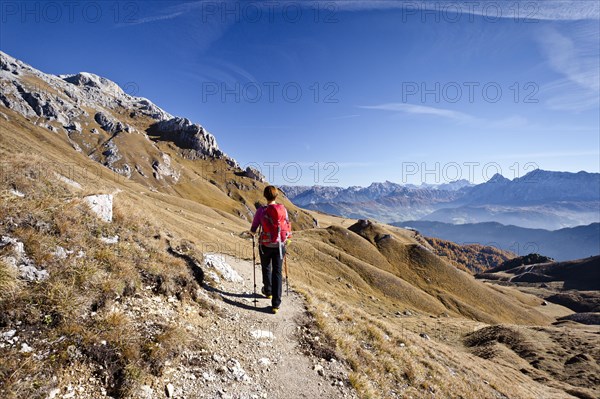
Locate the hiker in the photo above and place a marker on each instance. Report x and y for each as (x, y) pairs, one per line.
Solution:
(275, 232)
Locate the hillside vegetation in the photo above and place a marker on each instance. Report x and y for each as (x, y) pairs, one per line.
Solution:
(382, 302)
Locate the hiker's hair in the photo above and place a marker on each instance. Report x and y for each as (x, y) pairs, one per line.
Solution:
(271, 193)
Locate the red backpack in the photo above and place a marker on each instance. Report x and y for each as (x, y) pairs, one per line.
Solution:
(276, 227)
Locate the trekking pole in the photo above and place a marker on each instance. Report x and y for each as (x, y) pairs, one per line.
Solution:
(254, 267)
(287, 279)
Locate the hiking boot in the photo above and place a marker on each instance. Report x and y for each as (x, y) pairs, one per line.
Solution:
(268, 296)
(274, 310)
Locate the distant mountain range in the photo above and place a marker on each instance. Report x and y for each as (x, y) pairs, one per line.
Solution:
(564, 244)
(540, 199)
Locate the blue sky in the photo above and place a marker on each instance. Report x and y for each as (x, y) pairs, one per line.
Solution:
(346, 92)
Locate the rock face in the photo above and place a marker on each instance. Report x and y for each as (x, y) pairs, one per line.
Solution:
(63, 98)
(62, 104)
(189, 136)
(101, 205)
(108, 124)
(254, 174)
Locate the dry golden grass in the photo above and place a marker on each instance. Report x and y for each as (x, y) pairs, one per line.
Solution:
(9, 284)
(88, 281)
(354, 281)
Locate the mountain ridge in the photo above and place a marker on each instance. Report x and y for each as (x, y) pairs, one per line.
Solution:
(540, 199)
(557, 244)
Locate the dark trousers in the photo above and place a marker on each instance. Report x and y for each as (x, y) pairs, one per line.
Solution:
(272, 263)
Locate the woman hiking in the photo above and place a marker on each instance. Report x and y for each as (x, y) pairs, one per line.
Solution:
(275, 231)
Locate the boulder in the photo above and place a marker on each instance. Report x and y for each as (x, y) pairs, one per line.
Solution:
(101, 205)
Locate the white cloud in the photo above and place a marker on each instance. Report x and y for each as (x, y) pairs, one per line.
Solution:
(344, 117)
(555, 154)
(557, 10)
(572, 53)
(420, 110)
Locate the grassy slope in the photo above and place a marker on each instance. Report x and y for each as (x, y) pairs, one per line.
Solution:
(343, 273)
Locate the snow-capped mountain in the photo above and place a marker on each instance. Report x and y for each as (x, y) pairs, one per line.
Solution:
(539, 199)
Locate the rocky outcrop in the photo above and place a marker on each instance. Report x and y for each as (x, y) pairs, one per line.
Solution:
(224, 269)
(254, 174)
(62, 104)
(188, 136)
(63, 98)
(18, 260)
(164, 169)
(85, 79)
(109, 125)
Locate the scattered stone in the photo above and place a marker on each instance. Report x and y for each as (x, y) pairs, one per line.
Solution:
(17, 193)
(238, 373)
(61, 253)
(424, 336)
(170, 390)
(53, 392)
(261, 334)
(217, 358)
(9, 334)
(146, 392)
(319, 369)
(110, 240)
(25, 348)
(265, 362)
(544, 303)
(19, 260)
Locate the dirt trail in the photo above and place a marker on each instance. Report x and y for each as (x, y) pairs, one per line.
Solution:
(256, 354)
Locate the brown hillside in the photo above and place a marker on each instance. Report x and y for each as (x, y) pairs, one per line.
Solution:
(383, 303)
(474, 258)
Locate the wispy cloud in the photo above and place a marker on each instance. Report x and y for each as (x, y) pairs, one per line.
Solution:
(335, 118)
(558, 10)
(420, 110)
(550, 154)
(220, 71)
(170, 12)
(574, 55)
